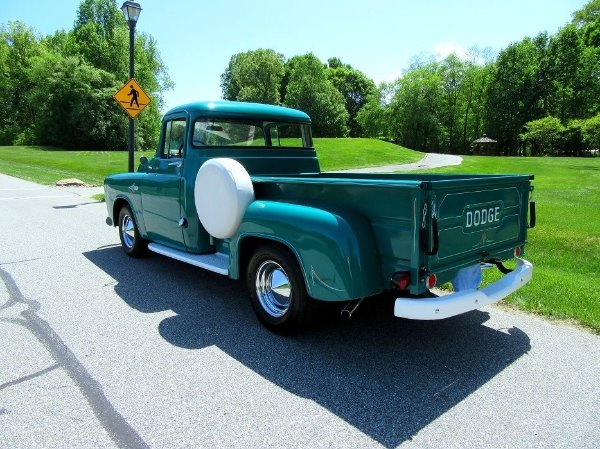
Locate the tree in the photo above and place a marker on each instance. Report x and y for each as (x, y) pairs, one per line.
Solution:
(309, 90)
(6, 91)
(590, 130)
(588, 14)
(564, 56)
(373, 116)
(80, 112)
(355, 88)
(453, 73)
(254, 76)
(476, 79)
(415, 108)
(19, 45)
(512, 99)
(544, 136)
(100, 36)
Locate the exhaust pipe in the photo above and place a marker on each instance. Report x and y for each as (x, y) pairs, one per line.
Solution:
(350, 308)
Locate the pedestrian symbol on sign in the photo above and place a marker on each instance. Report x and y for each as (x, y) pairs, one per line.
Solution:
(132, 98)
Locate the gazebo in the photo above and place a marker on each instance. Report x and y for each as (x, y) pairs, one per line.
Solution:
(485, 146)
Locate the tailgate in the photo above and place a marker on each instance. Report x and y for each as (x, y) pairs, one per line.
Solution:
(478, 219)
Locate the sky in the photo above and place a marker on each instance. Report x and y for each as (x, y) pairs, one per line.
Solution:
(196, 39)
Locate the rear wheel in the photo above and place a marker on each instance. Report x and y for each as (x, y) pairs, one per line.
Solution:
(132, 242)
(277, 291)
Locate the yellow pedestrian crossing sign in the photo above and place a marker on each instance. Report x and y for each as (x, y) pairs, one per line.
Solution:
(132, 98)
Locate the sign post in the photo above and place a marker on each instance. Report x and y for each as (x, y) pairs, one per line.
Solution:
(131, 12)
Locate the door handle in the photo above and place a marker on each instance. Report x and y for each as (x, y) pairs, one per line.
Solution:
(175, 164)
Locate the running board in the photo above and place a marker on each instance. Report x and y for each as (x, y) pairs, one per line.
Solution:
(216, 262)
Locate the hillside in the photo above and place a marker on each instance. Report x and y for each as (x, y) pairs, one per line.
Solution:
(337, 154)
(48, 165)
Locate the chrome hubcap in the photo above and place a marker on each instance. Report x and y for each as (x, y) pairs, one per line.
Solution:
(273, 289)
(127, 231)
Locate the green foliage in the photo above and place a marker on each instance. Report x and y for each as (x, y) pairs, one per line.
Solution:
(100, 36)
(415, 109)
(564, 56)
(453, 74)
(590, 130)
(80, 111)
(333, 95)
(18, 44)
(372, 117)
(544, 136)
(355, 88)
(254, 76)
(309, 90)
(57, 90)
(446, 105)
(547, 76)
(588, 14)
(511, 98)
(434, 106)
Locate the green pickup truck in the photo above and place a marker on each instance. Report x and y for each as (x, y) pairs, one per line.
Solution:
(236, 188)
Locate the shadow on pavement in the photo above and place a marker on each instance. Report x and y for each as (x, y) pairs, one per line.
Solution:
(385, 376)
(73, 206)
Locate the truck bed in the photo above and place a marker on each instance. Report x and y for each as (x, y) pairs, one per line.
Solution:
(423, 223)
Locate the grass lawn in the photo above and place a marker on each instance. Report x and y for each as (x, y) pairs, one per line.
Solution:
(338, 154)
(565, 244)
(48, 165)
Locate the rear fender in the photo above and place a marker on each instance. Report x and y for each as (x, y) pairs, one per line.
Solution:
(336, 250)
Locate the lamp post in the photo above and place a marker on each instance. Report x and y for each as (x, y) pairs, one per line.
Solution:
(131, 11)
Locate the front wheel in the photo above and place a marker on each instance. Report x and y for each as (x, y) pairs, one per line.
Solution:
(277, 291)
(132, 242)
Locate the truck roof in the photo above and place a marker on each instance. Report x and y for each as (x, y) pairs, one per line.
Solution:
(224, 108)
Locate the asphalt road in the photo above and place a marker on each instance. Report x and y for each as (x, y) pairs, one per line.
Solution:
(99, 350)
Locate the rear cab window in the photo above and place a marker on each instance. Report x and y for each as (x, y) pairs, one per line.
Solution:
(255, 134)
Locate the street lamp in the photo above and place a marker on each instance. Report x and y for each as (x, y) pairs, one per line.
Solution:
(131, 12)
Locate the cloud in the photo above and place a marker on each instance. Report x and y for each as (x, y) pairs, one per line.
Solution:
(445, 49)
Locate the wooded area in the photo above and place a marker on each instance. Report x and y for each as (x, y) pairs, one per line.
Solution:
(539, 96)
(58, 90)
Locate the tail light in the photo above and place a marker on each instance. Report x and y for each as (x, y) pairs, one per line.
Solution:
(401, 280)
(518, 251)
(430, 281)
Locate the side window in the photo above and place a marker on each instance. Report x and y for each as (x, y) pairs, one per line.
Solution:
(174, 139)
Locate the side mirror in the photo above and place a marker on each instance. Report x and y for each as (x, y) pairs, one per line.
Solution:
(144, 160)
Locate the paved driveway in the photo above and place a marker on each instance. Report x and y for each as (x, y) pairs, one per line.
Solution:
(100, 350)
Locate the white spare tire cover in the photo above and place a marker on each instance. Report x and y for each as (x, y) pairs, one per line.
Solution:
(222, 192)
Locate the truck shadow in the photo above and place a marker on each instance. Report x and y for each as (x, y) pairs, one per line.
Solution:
(385, 376)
